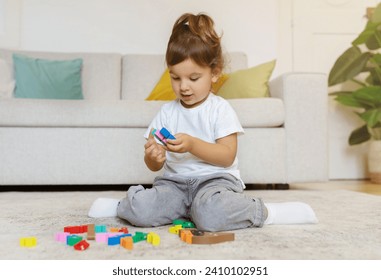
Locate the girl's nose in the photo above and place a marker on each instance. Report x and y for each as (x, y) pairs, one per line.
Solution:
(184, 86)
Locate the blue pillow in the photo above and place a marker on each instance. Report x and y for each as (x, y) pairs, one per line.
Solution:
(47, 79)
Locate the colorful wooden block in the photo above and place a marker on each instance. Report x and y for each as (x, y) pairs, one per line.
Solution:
(166, 134)
(28, 241)
(101, 237)
(175, 229)
(115, 239)
(183, 223)
(75, 229)
(153, 238)
(61, 236)
(90, 232)
(139, 236)
(123, 229)
(127, 242)
(81, 245)
(194, 236)
(100, 228)
(162, 135)
(73, 239)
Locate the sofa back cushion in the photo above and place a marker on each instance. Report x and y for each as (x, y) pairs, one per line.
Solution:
(142, 72)
(101, 72)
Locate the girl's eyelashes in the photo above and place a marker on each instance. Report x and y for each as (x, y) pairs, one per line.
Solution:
(193, 79)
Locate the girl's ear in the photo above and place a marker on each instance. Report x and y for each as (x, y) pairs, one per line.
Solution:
(216, 73)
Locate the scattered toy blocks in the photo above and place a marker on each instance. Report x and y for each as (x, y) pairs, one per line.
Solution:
(99, 233)
(28, 241)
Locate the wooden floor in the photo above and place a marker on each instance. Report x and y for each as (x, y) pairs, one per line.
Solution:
(353, 185)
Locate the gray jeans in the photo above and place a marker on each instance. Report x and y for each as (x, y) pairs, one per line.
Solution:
(213, 203)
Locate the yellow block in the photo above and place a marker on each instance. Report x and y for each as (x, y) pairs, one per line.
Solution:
(28, 241)
(175, 229)
(153, 238)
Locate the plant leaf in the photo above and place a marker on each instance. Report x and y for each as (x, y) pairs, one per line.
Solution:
(376, 59)
(337, 93)
(374, 41)
(376, 17)
(348, 65)
(359, 136)
(368, 31)
(349, 100)
(370, 96)
(371, 117)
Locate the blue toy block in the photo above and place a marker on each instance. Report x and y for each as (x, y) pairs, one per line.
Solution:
(115, 240)
(166, 134)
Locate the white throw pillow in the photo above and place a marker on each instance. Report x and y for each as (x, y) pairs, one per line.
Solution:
(7, 83)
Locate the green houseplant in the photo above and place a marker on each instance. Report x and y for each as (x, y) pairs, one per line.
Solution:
(357, 72)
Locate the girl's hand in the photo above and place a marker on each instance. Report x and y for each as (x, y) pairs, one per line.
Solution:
(182, 144)
(154, 154)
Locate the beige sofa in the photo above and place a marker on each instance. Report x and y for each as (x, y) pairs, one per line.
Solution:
(99, 140)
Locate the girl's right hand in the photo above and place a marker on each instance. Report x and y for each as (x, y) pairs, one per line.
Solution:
(154, 152)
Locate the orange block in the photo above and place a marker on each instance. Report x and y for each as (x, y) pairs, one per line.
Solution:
(127, 243)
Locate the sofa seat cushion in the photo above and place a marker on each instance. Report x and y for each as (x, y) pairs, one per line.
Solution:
(261, 112)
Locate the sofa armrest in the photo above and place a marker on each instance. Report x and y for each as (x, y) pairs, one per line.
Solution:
(305, 97)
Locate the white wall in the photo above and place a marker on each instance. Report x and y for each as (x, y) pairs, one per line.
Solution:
(10, 11)
(144, 26)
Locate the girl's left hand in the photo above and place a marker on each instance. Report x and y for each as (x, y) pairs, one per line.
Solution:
(182, 144)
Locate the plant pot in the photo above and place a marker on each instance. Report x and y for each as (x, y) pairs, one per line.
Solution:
(374, 161)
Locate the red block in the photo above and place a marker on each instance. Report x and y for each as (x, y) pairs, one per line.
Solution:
(81, 246)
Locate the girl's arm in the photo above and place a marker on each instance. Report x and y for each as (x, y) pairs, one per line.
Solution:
(222, 153)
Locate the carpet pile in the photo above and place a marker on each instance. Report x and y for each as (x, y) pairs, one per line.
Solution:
(349, 228)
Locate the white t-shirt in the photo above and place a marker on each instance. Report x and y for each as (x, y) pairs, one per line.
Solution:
(211, 120)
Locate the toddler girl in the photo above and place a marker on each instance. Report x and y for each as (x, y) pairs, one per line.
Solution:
(201, 181)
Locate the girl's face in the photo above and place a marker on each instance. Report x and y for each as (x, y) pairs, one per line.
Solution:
(191, 82)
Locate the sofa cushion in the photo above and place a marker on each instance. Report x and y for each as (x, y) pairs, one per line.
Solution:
(47, 79)
(260, 112)
(248, 83)
(101, 72)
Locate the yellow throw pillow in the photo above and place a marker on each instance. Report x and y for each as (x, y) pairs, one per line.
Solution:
(163, 89)
(248, 83)
(220, 82)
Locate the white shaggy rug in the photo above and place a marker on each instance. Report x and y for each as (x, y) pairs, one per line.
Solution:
(349, 228)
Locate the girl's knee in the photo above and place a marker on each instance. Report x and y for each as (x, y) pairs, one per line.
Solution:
(134, 209)
(208, 217)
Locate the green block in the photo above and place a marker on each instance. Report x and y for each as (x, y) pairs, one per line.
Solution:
(139, 236)
(73, 239)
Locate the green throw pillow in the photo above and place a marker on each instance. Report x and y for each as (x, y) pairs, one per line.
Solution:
(248, 83)
(47, 79)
